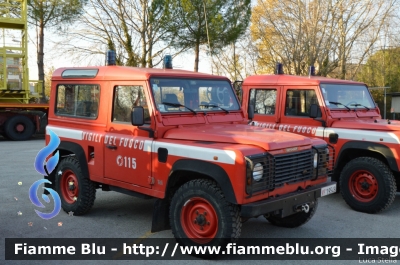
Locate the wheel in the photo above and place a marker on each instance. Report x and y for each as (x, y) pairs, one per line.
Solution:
(294, 220)
(19, 128)
(367, 185)
(200, 214)
(4, 135)
(77, 191)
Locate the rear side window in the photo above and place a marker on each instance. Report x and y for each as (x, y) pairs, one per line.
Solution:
(81, 101)
(263, 100)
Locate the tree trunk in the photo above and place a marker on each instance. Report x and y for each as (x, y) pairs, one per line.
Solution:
(234, 61)
(40, 57)
(143, 33)
(150, 45)
(196, 56)
(144, 50)
(150, 55)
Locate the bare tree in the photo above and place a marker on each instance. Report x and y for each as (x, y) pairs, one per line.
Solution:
(238, 60)
(328, 34)
(360, 25)
(129, 27)
(227, 62)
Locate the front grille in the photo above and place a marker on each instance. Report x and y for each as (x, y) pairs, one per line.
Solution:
(293, 167)
(278, 170)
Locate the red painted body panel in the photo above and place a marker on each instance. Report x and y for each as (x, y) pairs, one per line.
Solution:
(126, 156)
(359, 125)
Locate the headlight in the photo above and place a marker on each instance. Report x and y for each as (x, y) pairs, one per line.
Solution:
(258, 171)
(315, 160)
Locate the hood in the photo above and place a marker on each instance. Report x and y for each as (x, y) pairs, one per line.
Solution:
(367, 124)
(268, 139)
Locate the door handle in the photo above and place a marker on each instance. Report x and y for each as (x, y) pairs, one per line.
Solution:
(112, 147)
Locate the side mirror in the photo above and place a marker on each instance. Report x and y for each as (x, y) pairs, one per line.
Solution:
(251, 112)
(314, 109)
(137, 116)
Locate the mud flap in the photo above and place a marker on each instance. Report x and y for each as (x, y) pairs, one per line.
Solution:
(160, 216)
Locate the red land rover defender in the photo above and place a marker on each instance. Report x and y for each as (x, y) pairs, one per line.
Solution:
(182, 138)
(343, 113)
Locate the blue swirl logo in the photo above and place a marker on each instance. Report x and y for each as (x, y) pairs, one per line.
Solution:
(45, 168)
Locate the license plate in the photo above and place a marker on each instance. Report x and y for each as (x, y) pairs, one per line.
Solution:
(328, 190)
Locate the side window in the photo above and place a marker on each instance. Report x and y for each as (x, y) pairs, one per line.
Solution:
(125, 98)
(298, 102)
(263, 100)
(80, 101)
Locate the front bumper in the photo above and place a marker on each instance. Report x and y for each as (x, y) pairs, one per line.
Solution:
(284, 205)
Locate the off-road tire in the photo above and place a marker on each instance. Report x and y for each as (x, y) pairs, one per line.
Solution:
(367, 185)
(4, 135)
(10, 128)
(77, 191)
(294, 220)
(204, 201)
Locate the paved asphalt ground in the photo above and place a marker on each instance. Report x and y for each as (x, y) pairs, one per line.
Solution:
(116, 215)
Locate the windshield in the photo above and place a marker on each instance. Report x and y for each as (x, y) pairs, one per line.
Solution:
(193, 95)
(342, 96)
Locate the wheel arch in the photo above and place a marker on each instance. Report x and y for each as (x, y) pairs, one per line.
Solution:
(354, 149)
(66, 148)
(200, 169)
(178, 176)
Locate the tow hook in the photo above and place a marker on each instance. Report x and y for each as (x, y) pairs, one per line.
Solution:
(302, 208)
(305, 208)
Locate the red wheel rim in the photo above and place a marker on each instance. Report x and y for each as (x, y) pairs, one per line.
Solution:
(199, 220)
(363, 186)
(69, 186)
(19, 127)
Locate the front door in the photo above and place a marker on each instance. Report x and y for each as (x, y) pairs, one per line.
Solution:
(266, 110)
(296, 111)
(128, 148)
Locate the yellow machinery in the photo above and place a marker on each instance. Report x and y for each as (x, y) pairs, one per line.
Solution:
(14, 75)
(19, 117)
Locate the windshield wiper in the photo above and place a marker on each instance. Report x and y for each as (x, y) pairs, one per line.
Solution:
(338, 103)
(215, 106)
(178, 105)
(357, 105)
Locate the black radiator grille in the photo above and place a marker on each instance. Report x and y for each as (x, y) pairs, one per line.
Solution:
(293, 167)
(280, 169)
